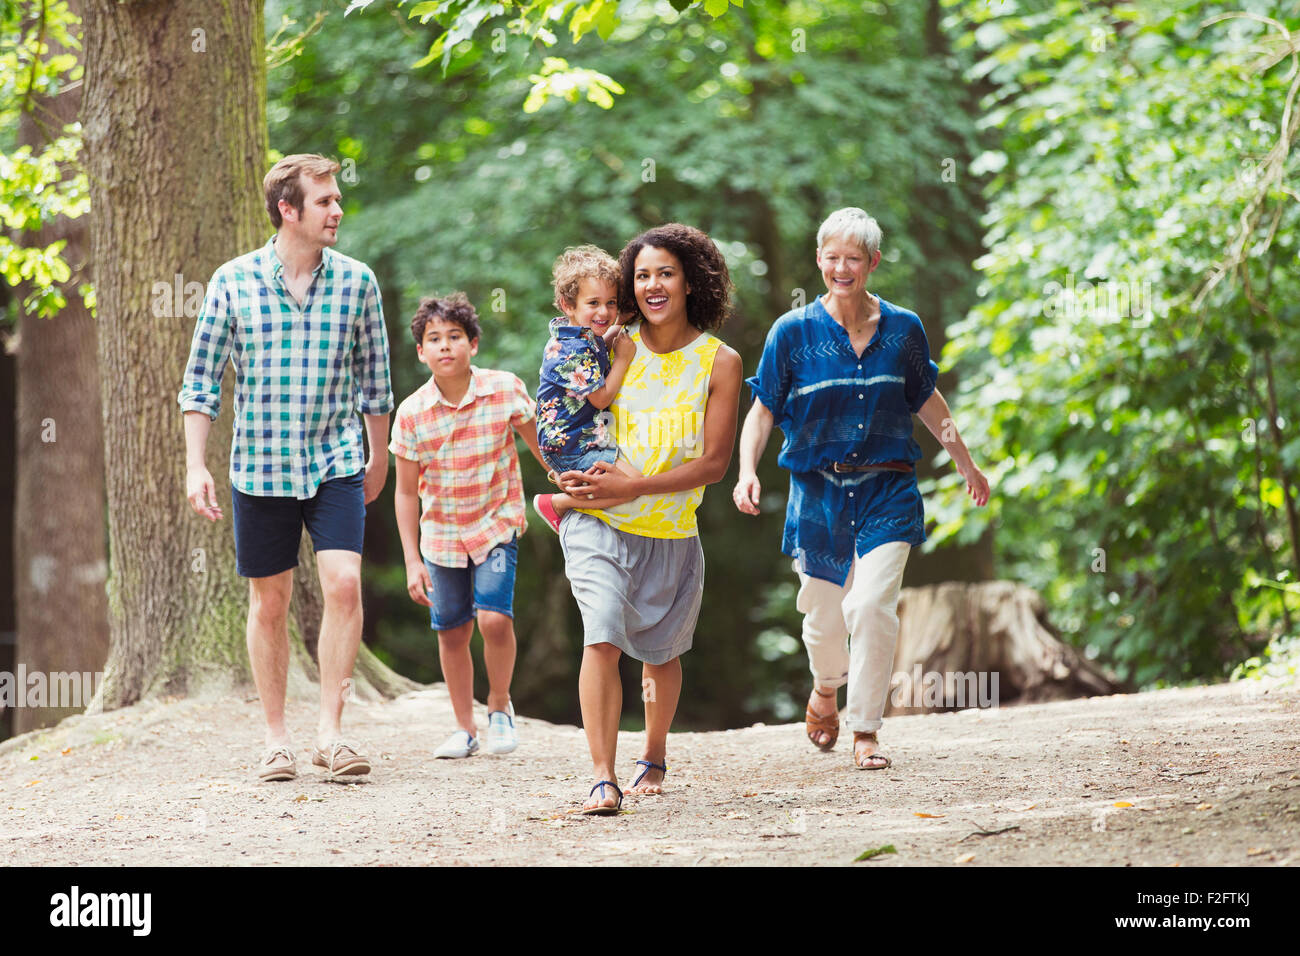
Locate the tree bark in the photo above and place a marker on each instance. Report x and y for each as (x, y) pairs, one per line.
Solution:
(60, 557)
(991, 628)
(175, 144)
(176, 147)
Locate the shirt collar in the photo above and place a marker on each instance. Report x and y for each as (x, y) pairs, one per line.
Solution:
(477, 386)
(277, 267)
(562, 328)
(886, 308)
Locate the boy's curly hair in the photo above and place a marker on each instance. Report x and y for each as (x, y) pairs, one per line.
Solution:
(577, 263)
(709, 301)
(454, 308)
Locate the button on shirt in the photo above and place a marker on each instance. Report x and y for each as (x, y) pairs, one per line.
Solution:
(471, 490)
(833, 405)
(303, 372)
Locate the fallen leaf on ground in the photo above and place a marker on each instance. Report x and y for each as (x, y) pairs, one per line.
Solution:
(31, 783)
(965, 858)
(1204, 806)
(868, 854)
(66, 750)
(1255, 851)
(1122, 803)
(301, 798)
(928, 816)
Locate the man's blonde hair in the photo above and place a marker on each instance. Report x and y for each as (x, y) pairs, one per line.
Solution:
(581, 262)
(284, 181)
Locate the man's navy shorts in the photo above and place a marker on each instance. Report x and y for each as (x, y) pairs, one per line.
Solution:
(268, 530)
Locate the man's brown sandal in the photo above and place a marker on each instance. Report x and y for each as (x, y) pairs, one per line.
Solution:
(815, 723)
(872, 757)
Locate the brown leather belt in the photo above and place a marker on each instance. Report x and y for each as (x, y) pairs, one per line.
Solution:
(840, 467)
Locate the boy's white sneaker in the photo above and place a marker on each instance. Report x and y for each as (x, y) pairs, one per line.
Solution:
(459, 744)
(501, 736)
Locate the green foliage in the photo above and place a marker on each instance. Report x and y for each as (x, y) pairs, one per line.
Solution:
(537, 23)
(557, 78)
(1140, 247)
(752, 126)
(36, 187)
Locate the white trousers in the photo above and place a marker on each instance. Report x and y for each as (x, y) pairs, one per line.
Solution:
(851, 632)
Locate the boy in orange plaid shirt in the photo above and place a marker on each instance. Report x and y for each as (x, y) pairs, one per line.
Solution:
(460, 510)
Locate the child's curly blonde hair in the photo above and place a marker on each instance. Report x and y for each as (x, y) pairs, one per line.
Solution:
(577, 263)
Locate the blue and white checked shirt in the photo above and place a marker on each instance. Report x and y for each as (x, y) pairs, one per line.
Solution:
(302, 372)
(834, 406)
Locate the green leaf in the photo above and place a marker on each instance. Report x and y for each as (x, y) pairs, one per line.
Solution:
(868, 854)
(425, 11)
(1270, 492)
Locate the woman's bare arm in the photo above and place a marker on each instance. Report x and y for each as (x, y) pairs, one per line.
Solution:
(938, 418)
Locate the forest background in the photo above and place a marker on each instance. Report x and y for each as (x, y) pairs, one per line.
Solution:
(1091, 207)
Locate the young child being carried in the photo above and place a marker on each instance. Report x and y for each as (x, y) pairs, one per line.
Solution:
(460, 510)
(579, 378)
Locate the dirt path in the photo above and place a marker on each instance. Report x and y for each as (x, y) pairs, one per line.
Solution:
(1206, 775)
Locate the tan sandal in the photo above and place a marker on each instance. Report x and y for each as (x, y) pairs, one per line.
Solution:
(871, 757)
(815, 723)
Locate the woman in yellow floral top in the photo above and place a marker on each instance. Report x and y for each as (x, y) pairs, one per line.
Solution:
(637, 569)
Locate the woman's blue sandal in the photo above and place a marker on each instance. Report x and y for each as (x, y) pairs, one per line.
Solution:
(598, 810)
(648, 765)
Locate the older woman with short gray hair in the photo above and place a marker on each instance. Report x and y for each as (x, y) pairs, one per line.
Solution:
(842, 378)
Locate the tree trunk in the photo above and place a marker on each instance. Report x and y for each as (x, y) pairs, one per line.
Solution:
(59, 547)
(175, 131)
(8, 476)
(175, 136)
(965, 634)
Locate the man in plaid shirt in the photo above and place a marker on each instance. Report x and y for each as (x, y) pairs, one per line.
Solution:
(304, 328)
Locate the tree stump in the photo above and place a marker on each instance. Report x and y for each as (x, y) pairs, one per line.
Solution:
(983, 644)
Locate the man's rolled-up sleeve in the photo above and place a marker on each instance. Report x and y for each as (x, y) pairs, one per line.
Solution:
(209, 352)
(370, 355)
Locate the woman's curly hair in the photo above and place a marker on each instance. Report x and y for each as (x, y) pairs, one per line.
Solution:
(454, 308)
(709, 301)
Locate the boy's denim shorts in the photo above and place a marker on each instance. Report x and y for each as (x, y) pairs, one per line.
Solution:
(562, 463)
(460, 592)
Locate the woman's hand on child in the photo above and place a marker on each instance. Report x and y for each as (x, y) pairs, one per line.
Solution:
(418, 584)
(602, 480)
(620, 343)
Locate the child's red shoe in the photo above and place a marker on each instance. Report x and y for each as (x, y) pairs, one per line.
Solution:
(542, 505)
